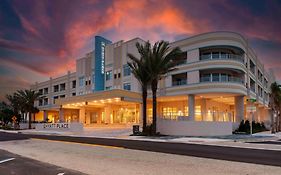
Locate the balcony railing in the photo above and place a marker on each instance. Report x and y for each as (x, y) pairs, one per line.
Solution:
(222, 56)
(221, 79)
(179, 82)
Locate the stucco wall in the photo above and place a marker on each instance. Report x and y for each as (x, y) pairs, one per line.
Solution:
(193, 128)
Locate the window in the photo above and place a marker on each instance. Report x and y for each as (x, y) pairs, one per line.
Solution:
(127, 86)
(108, 87)
(40, 102)
(45, 101)
(62, 96)
(73, 94)
(55, 97)
(115, 76)
(126, 70)
(46, 90)
(108, 75)
(252, 85)
(74, 84)
(224, 77)
(56, 88)
(252, 67)
(81, 81)
(89, 82)
(40, 91)
(205, 78)
(215, 77)
(62, 87)
(119, 75)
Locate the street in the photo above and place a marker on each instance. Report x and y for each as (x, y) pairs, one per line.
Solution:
(12, 164)
(56, 154)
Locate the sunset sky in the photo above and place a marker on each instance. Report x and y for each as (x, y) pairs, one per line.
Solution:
(43, 38)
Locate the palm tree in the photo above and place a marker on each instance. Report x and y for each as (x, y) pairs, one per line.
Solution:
(27, 98)
(161, 62)
(139, 69)
(275, 104)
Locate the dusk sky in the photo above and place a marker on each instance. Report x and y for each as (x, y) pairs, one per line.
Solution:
(43, 38)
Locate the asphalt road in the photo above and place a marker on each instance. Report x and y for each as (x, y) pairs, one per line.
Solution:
(12, 164)
(257, 156)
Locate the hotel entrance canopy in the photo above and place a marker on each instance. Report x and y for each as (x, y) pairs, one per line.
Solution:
(110, 96)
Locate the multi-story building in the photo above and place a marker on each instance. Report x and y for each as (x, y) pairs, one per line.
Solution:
(216, 74)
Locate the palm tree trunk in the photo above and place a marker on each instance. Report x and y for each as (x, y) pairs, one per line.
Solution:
(272, 121)
(29, 120)
(144, 97)
(154, 106)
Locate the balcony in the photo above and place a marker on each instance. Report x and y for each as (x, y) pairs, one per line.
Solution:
(222, 56)
(179, 79)
(179, 82)
(215, 77)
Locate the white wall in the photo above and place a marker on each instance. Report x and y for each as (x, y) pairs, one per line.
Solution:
(193, 128)
(193, 77)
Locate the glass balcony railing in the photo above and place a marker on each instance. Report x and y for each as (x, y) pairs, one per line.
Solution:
(179, 82)
(218, 56)
(221, 79)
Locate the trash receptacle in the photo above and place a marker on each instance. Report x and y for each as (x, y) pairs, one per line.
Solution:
(136, 129)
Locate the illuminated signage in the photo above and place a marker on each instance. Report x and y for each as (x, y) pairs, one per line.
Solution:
(102, 56)
(55, 125)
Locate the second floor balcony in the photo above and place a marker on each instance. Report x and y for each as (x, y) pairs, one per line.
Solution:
(220, 77)
(222, 56)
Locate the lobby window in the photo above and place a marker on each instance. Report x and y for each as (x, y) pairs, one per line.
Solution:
(81, 81)
(56, 88)
(127, 86)
(74, 84)
(62, 87)
(108, 75)
(126, 70)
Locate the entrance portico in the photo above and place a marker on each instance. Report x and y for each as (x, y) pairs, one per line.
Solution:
(108, 107)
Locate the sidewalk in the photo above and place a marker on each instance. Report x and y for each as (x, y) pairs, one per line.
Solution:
(242, 141)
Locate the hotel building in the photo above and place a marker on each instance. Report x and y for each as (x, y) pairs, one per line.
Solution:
(206, 95)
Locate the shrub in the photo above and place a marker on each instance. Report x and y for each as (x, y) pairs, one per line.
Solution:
(245, 127)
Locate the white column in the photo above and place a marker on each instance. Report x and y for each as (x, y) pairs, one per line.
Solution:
(82, 115)
(239, 108)
(45, 115)
(191, 107)
(61, 114)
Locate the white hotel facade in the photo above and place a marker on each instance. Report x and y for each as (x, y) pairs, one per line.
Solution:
(206, 95)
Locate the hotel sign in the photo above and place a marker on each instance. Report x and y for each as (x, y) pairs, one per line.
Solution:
(55, 125)
(102, 57)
